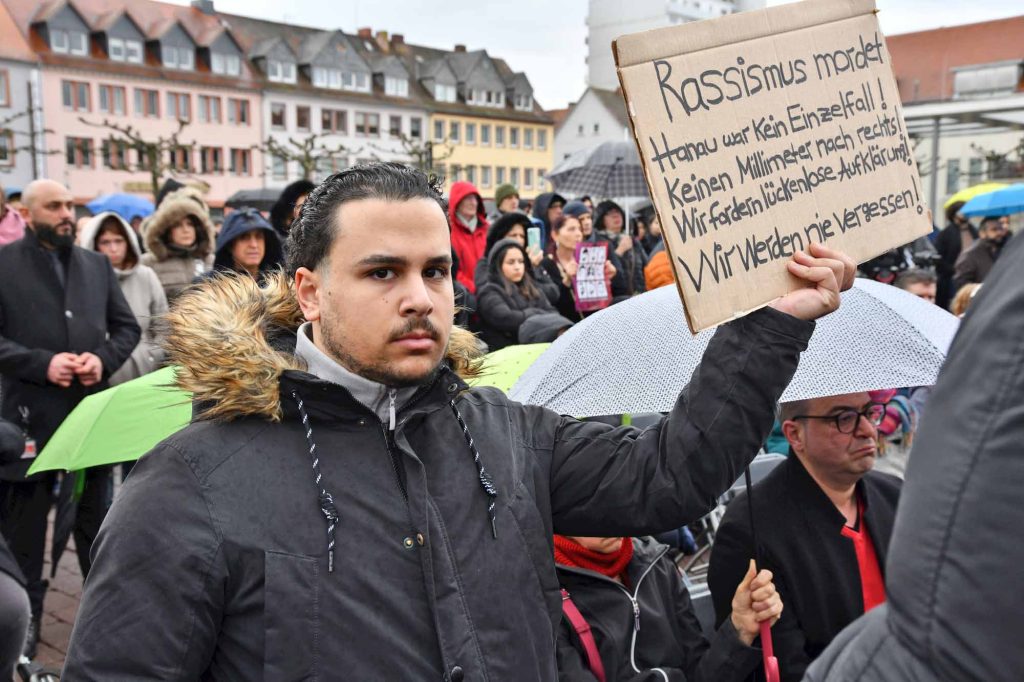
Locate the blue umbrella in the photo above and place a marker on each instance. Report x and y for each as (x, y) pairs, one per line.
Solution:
(125, 205)
(1005, 201)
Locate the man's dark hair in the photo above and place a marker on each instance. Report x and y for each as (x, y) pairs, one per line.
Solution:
(988, 221)
(915, 276)
(312, 235)
(953, 209)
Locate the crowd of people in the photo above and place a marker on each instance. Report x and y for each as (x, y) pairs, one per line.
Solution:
(209, 533)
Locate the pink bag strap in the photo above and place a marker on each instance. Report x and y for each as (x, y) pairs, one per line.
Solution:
(582, 628)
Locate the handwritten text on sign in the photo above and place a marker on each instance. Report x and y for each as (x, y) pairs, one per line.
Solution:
(754, 150)
(592, 291)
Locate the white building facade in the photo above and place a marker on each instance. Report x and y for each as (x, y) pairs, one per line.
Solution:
(609, 19)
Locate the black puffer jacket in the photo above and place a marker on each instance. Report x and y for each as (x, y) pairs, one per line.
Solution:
(498, 231)
(502, 310)
(955, 608)
(227, 541)
(629, 276)
(669, 636)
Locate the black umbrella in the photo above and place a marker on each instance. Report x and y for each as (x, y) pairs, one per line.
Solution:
(262, 199)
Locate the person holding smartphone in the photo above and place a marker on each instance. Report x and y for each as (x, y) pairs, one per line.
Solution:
(518, 226)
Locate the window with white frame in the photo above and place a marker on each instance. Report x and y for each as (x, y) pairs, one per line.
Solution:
(416, 128)
(513, 138)
(278, 112)
(356, 82)
(515, 176)
(225, 64)
(444, 93)
(69, 42)
(438, 131)
(527, 139)
(75, 96)
(527, 177)
(5, 89)
(499, 173)
(470, 133)
(115, 49)
(147, 103)
(6, 148)
(133, 51)
(281, 72)
(542, 139)
(181, 58)
(453, 131)
(209, 109)
(179, 106)
(485, 134)
(499, 137)
(524, 102)
(396, 87)
(485, 176)
(279, 167)
(112, 100)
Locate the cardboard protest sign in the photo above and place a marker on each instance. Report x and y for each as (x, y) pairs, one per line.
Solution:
(590, 288)
(762, 132)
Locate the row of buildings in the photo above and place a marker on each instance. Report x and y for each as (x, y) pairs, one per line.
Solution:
(78, 78)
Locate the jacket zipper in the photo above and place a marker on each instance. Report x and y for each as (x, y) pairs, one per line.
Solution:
(636, 608)
(388, 442)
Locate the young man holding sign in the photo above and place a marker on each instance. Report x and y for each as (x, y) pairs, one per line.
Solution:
(424, 550)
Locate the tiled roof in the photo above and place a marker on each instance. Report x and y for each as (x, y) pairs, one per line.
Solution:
(924, 61)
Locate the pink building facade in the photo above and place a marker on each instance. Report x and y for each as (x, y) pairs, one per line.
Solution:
(218, 143)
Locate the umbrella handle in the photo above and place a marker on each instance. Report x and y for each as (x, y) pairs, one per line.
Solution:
(771, 664)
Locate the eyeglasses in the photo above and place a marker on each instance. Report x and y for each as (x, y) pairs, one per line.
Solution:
(847, 420)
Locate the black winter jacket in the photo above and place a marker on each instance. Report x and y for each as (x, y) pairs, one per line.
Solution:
(669, 636)
(799, 533)
(502, 311)
(39, 318)
(224, 532)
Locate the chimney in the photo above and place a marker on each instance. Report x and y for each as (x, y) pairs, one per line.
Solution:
(204, 6)
(460, 48)
(382, 41)
(397, 39)
(365, 33)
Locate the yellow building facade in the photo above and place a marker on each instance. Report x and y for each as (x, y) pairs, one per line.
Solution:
(490, 151)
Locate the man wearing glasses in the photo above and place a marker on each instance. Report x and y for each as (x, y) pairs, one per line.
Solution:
(823, 520)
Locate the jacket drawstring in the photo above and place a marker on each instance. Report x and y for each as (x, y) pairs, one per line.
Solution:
(326, 499)
(485, 479)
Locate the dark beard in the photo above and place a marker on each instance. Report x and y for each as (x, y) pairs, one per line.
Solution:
(47, 234)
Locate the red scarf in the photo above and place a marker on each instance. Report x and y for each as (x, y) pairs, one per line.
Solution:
(570, 553)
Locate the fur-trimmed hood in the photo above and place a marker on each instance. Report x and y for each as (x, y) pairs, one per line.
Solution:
(233, 338)
(177, 205)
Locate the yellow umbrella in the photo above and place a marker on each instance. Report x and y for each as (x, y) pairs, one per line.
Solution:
(966, 195)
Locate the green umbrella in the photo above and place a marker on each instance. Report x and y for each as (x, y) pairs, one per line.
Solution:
(502, 368)
(119, 424)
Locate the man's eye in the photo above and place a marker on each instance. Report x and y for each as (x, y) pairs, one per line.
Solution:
(437, 273)
(382, 274)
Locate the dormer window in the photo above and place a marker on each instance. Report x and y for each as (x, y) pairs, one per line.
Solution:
(444, 93)
(182, 58)
(396, 87)
(121, 50)
(69, 42)
(327, 78)
(524, 102)
(358, 82)
(280, 71)
(225, 64)
(485, 98)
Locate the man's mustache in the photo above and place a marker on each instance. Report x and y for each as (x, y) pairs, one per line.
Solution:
(416, 325)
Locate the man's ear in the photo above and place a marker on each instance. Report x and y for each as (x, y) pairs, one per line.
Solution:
(23, 210)
(795, 435)
(307, 291)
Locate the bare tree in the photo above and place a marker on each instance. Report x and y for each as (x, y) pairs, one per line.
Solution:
(308, 152)
(154, 155)
(25, 141)
(424, 155)
(1002, 165)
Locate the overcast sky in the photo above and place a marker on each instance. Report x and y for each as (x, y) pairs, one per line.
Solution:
(545, 38)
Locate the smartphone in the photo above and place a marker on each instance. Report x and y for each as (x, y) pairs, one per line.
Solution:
(533, 237)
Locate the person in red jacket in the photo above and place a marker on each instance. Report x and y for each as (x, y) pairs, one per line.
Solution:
(468, 219)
